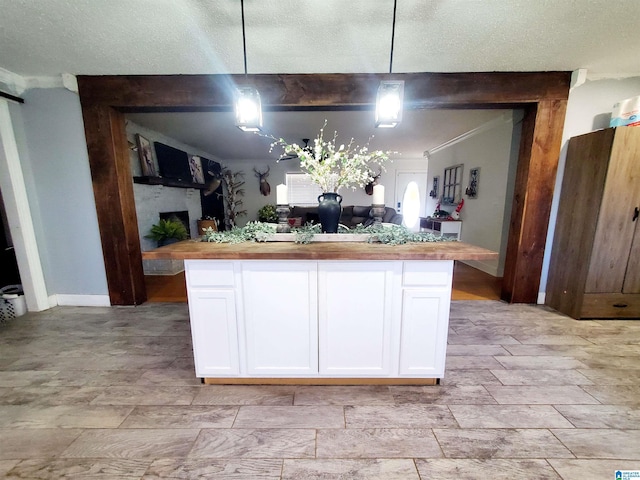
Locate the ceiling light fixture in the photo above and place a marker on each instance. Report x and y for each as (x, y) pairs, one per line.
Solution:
(390, 92)
(248, 107)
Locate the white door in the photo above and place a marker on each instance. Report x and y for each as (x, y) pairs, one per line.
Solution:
(411, 197)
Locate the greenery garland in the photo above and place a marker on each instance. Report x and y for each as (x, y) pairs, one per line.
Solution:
(260, 232)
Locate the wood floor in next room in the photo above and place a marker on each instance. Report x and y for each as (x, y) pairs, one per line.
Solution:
(468, 284)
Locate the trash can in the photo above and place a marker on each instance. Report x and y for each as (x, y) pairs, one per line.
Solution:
(12, 302)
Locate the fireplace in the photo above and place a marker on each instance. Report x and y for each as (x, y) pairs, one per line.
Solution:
(181, 216)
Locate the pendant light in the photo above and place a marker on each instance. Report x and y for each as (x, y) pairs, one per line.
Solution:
(390, 92)
(248, 107)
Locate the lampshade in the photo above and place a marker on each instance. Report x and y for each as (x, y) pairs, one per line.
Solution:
(248, 110)
(389, 103)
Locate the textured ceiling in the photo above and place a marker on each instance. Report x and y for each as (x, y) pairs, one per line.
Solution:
(124, 37)
(95, 37)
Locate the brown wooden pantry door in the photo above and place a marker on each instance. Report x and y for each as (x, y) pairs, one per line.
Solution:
(616, 249)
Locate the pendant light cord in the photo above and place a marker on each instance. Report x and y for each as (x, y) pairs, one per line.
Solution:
(393, 34)
(244, 39)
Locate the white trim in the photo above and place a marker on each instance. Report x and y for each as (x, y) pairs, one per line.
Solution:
(17, 84)
(44, 82)
(578, 77)
(504, 118)
(70, 82)
(542, 296)
(83, 300)
(13, 82)
(14, 193)
(53, 301)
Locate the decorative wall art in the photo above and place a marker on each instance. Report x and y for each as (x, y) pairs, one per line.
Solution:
(452, 185)
(195, 165)
(472, 189)
(436, 187)
(146, 157)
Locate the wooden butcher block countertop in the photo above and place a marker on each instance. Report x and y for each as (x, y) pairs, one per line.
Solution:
(195, 249)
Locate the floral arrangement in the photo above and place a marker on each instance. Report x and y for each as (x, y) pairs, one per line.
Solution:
(333, 166)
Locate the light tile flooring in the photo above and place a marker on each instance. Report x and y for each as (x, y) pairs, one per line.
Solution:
(109, 393)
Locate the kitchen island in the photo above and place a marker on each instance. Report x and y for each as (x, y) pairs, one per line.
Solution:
(319, 313)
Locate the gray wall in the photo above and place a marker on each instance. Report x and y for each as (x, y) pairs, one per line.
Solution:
(56, 168)
(485, 219)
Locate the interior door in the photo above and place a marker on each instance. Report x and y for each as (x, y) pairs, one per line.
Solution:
(411, 197)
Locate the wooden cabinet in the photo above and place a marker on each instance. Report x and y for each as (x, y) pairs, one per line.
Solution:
(595, 262)
(319, 319)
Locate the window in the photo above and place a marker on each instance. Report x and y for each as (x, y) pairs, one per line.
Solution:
(301, 190)
(452, 185)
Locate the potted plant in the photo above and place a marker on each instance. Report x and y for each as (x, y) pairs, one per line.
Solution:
(167, 231)
(268, 214)
(205, 223)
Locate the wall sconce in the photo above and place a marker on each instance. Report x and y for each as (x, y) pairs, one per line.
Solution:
(474, 176)
(248, 109)
(436, 187)
(389, 103)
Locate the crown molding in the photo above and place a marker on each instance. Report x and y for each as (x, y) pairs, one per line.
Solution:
(507, 117)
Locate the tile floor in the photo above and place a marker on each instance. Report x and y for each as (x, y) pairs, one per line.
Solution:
(109, 393)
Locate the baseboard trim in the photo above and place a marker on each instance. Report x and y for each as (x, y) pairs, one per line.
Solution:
(83, 300)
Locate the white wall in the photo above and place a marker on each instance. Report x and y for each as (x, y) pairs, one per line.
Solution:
(485, 219)
(588, 109)
(58, 180)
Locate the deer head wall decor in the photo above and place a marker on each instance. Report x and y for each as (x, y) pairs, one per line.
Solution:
(265, 188)
(368, 189)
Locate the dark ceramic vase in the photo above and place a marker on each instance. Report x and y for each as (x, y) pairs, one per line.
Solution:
(329, 211)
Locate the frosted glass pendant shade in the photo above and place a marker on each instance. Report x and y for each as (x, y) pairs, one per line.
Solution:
(389, 104)
(248, 109)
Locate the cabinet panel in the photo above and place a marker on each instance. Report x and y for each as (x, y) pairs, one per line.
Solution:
(632, 277)
(280, 313)
(203, 273)
(424, 331)
(355, 317)
(611, 305)
(214, 332)
(615, 229)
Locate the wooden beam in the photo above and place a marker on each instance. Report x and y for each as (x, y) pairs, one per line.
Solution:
(115, 206)
(542, 94)
(535, 181)
(430, 90)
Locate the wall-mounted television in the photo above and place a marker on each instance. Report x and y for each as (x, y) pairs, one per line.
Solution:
(173, 163)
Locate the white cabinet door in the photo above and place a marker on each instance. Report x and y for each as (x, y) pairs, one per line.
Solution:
(214, 332)
(355, 318)
(426, 300)
(280, 317)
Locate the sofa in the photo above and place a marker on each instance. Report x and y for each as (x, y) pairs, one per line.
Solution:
(352, 215)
